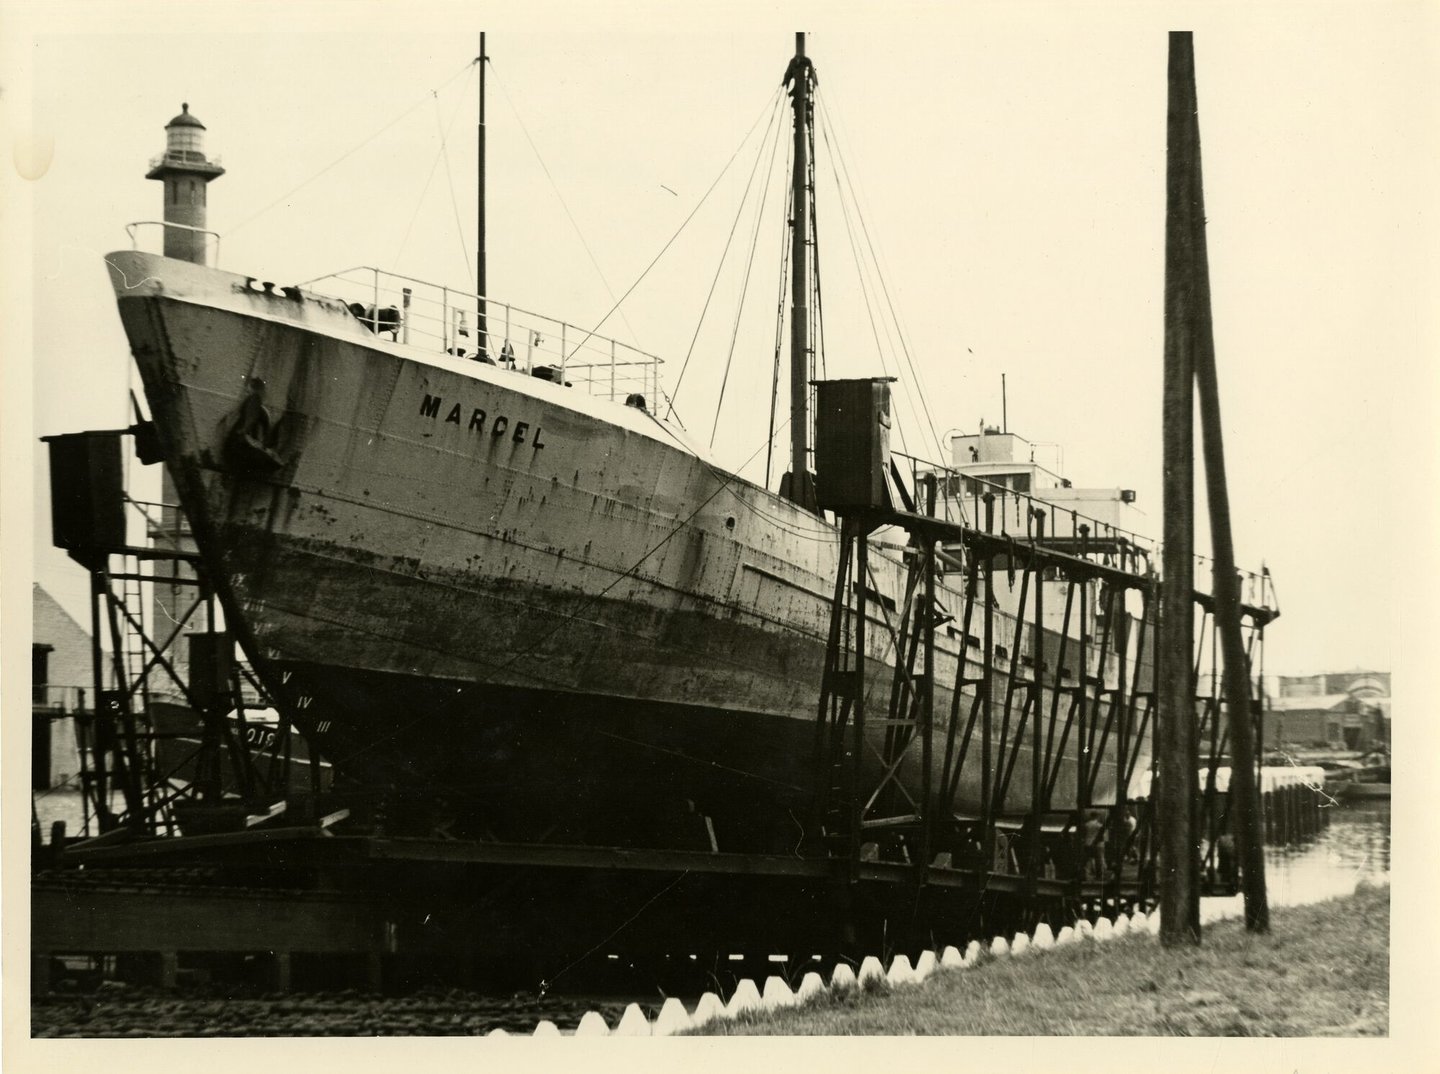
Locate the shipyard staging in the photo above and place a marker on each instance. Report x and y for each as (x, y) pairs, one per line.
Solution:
(487, 674)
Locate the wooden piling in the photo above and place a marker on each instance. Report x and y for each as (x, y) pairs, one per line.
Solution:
(1176, 734)
(1244, 792)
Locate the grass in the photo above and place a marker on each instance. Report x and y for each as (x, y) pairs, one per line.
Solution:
(1324, 970)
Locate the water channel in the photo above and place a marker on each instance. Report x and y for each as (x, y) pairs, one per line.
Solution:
(1354, 848)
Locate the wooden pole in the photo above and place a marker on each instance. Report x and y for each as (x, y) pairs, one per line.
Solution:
(860, 534)
(1175, 731)
(98, 784)
(1244, 792)
(481, 284)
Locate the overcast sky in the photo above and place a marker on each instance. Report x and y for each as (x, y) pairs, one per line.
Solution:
(1010, 170)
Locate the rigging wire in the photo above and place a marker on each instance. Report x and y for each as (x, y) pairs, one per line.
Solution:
(865, 289)
(420, 201)
(725, 480)
(670, 411)
(454, 202)
(785, 225)
(885, 290)
(352, 151)
(866, 270)
(561, 198)
(683, 224)
(821, 532)
(720, 267)
(863, 267)
(817, 335)
(745, 282)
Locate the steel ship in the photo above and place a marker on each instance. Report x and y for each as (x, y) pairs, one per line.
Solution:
(504, 598)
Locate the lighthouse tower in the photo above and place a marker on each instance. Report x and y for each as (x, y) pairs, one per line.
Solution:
(185, 171)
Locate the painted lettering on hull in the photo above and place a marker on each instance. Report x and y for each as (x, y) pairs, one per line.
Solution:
(497, 428)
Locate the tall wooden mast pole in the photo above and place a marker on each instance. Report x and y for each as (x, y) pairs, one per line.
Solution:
(1176, 734)
(480, 285)
(799, 484)
(1244, 793)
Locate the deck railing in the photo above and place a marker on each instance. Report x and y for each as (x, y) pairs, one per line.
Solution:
(189, 158)
(212, 238)
(421, 314)
(1015, 513)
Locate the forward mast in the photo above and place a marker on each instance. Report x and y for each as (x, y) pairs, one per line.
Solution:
(798, 485)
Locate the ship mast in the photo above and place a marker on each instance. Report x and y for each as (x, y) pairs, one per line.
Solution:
(799, 484)
(481, 336)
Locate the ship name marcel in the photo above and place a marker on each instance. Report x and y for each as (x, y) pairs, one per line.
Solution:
(430, 408)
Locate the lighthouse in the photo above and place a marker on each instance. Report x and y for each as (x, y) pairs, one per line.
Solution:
(185, 171)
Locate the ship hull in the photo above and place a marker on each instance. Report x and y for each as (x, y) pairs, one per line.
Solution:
(493, 597)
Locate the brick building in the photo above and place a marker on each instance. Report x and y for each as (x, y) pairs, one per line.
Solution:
(62, 684)
(1338, 710)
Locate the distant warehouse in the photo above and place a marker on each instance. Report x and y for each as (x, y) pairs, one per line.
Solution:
(1339, 710)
